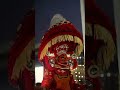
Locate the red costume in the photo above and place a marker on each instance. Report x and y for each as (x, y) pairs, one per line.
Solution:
(21, 60)
(58, 51)
(99, 43)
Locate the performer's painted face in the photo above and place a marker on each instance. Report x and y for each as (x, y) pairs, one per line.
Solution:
(62, 59)
(62, 64)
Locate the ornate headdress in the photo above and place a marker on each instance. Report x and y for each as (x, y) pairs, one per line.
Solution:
(62, 37)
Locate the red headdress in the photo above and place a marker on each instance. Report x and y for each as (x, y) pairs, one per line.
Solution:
(61, 32)
(58, 49)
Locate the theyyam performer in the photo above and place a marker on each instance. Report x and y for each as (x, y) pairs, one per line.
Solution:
(58, 50)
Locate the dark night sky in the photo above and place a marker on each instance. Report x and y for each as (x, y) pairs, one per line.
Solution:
(45, 9)
(12, 12)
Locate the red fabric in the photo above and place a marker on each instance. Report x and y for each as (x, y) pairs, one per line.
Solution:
(94, 15)
(24, 36)
(94, 81)
(27, 80)
(47, 81)
(47, 64)
(64, 29)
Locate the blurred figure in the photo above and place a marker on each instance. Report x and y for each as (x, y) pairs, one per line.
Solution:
(100, 44)
(21, 61)
(59, 49)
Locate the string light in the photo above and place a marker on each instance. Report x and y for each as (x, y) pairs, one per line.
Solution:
(78, 72)
(80, 57)
(75, 72)
(101, 75)
(108, 74)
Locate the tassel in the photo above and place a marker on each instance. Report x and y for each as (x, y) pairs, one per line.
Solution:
(88, 29)
(109, 49)
(22, 59)
(61, 38)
